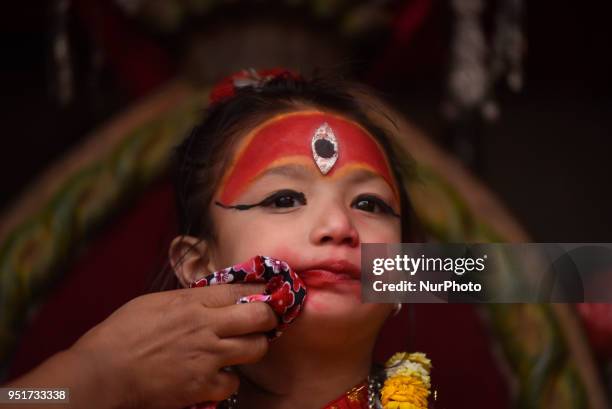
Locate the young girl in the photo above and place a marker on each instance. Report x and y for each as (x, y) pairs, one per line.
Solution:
(281, 167)
(299, 171)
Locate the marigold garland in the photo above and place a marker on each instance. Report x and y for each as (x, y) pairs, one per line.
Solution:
(407, 385)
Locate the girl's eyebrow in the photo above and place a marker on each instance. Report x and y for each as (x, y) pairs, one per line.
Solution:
(363, 175)
(292, 170)
(357, 177)
(303, 172)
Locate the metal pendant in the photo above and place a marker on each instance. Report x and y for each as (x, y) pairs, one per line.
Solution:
(324, 148)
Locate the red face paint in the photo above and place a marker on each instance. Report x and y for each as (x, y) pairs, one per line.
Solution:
(289, 137)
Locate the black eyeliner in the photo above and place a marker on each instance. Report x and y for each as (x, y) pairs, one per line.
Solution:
(386, 208)
(236, 207)
(267, 201)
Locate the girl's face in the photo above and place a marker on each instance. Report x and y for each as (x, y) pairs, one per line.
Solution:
(275, 201)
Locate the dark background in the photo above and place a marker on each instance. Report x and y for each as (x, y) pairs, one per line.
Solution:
(547, 157)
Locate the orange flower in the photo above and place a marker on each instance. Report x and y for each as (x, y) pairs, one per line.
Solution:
(404, 392)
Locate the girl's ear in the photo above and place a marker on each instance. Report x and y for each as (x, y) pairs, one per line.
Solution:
(190, 259)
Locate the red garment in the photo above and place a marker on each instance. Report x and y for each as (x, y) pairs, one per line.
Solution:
(356, 398)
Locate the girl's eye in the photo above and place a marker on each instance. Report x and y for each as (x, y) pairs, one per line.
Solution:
(373, 204)
(284, 199)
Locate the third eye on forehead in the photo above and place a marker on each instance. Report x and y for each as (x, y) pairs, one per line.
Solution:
(324, 148)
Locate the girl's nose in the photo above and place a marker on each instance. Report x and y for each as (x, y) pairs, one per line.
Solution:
(333, 225)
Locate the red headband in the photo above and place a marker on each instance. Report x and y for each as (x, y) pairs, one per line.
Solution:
(293, 137)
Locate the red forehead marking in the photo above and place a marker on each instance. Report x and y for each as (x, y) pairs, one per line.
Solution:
(290, 135)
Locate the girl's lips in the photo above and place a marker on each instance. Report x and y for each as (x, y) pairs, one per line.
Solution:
(317, 278)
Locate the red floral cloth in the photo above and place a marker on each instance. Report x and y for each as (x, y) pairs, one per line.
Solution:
(285, 292)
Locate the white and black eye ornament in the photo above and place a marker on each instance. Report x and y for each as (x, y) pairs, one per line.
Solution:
(324, 148)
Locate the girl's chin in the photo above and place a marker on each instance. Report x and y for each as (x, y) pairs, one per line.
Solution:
(337, 300)
(329, 316)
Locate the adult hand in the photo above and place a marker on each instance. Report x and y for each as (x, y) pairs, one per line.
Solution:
(167, 349)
